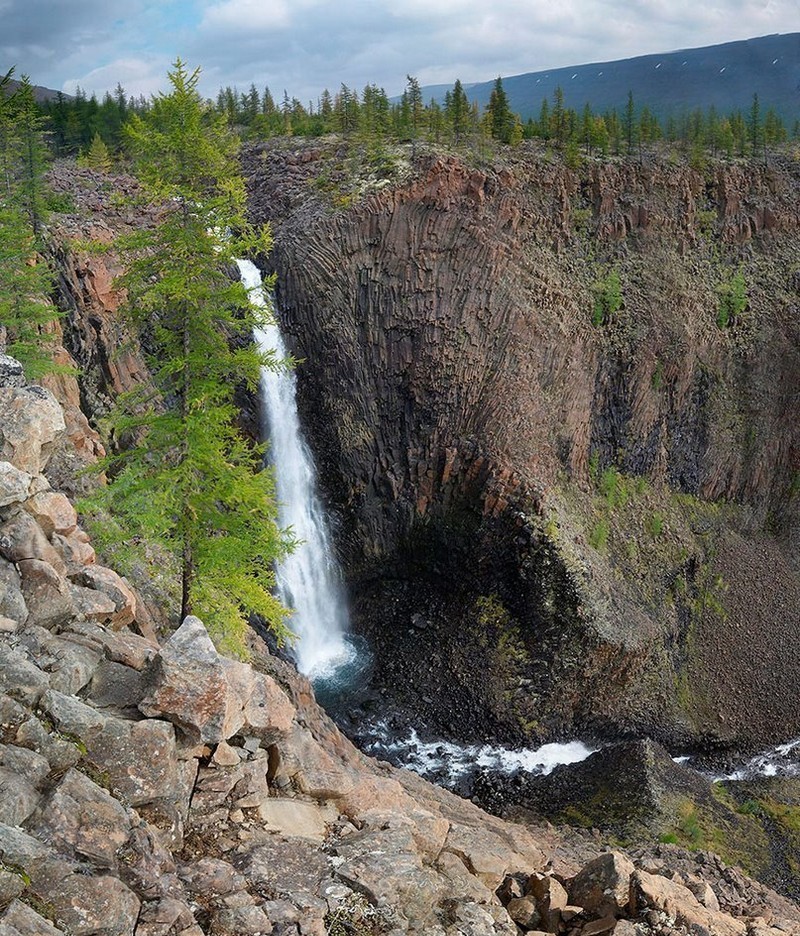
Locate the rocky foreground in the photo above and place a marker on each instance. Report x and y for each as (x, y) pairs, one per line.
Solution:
(161, 789)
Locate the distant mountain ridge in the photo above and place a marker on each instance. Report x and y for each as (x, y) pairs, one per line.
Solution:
(724, 76)
(39, 92)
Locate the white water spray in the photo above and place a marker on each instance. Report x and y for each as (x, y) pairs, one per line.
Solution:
(307, 579)
(448, 762)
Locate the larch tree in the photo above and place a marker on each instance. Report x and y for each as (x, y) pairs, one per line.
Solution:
(26, 314)
(187, 478)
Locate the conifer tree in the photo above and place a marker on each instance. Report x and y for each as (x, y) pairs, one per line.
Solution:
(98, 156)
(501, 118)
(25, 279)
(188, 479)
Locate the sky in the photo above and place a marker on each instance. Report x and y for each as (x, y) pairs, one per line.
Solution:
(303, 46)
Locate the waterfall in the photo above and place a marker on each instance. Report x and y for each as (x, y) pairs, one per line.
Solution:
(307, 579)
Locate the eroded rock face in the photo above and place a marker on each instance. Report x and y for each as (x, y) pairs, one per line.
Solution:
(463, 409)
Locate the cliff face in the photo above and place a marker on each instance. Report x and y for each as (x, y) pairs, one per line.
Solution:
(601, 500)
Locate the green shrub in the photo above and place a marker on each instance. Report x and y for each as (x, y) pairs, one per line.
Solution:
(607, 299)
(732, 300)
(599, 535)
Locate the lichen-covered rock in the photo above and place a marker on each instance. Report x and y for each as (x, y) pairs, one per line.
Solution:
(14, 484)
(113, 586)
(187, 684)
(11, 372)
(21, 920)
(651, 891)
(32, 422)
(81, 818)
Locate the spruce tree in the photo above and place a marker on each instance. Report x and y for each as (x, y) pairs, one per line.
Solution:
(501, 118)
(188, 479)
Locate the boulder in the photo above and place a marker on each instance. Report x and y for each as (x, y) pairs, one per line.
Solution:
(20, 679)
(18, 797)
(21, 537)
(12, 601)
(75, 549)
(32, 422)
(81, 818)
(14, 484)
(187, 685)
(52, 511)
(113, 586)
(11, 372)
(603, 886)
(47, 595)
(653, 891)
(21, 920)
(523, 912)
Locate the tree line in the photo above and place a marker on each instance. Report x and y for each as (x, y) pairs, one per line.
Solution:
(369, 115)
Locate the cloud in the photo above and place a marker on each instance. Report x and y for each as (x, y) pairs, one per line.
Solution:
(306, 45)
(137, 76)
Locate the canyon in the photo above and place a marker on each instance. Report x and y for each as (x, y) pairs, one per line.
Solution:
(594, 523)
(551, 523)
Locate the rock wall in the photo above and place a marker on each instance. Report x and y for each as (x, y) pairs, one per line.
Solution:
(163, 790)
(463, 409)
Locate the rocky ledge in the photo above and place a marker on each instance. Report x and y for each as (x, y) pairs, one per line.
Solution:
(163, 790)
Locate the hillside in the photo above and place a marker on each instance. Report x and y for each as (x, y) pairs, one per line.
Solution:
(39, 92)
(722, 76)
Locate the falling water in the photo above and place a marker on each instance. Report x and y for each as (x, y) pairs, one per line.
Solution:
(307, 579)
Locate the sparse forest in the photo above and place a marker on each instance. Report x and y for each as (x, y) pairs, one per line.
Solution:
(78, 126)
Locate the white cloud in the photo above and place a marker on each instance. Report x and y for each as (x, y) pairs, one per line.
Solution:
(306, 45)
(137, 76)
